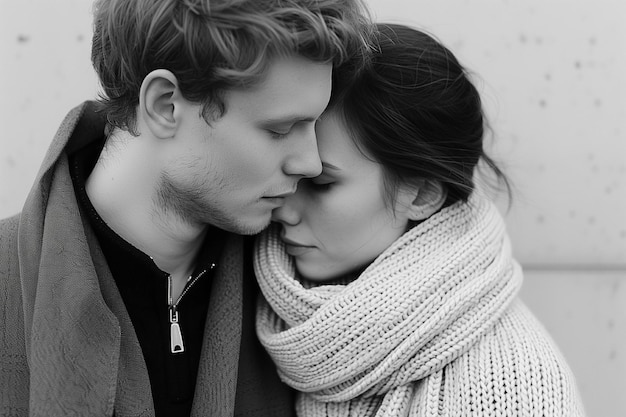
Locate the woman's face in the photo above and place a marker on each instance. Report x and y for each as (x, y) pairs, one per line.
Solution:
(339, 222)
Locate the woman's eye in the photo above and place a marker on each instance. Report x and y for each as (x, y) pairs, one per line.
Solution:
(278, 135)
(321, 186)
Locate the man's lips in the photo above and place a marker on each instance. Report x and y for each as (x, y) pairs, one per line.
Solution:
(283, 194)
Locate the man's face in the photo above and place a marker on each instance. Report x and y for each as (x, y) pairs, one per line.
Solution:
(233, 172)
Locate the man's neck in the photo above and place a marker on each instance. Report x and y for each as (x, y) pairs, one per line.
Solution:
(122, 192)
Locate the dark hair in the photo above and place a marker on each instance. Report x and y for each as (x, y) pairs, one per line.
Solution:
(213, 45)
(413, 109)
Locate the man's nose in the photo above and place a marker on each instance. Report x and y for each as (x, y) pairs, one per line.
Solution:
(304, 159)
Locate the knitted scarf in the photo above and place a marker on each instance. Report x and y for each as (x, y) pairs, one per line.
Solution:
(377, 345)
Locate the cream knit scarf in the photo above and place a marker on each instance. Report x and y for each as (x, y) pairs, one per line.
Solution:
(377, 346)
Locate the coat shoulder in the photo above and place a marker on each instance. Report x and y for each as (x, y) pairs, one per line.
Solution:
(8, 249)
(13, 362)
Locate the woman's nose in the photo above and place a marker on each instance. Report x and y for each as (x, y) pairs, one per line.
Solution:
(287, 214)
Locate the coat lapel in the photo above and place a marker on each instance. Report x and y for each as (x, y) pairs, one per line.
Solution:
(75, 338)
(33, 217)
(72, 337)
(217, 377)
(133, 395)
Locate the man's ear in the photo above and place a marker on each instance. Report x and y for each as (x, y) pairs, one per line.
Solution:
(158, 103)
(423, 199)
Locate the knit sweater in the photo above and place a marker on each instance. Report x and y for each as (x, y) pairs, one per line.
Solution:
(433, 327)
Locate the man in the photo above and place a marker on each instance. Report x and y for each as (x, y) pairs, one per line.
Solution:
(125, 281)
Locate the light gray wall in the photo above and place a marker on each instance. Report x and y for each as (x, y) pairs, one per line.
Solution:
(552, 75)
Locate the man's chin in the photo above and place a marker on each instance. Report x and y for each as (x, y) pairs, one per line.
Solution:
(258, 229)
(250, 227)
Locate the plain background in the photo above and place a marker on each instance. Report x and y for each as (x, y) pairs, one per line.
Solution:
(552, 77)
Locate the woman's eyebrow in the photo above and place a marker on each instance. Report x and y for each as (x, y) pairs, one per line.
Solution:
(330, 166)
(288, 119)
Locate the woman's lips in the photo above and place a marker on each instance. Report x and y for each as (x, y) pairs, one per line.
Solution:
(297, 250)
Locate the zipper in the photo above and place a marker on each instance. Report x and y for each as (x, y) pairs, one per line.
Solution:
(176, 336)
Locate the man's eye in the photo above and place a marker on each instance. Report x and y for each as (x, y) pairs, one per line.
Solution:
(278, 135)
(280, 131)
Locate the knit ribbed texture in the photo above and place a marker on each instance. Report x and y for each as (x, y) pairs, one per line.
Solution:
(430, 328)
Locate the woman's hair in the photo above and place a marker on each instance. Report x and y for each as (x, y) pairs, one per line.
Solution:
(413, 109)
(213, 45)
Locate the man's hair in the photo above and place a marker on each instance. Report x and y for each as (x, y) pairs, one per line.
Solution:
(213, 45)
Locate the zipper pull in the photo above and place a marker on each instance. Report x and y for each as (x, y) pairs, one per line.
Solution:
(176, 337)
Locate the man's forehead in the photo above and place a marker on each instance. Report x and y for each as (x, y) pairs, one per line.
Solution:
(293, 89)
(293, 67)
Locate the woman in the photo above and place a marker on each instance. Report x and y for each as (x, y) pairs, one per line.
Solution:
(389, 286)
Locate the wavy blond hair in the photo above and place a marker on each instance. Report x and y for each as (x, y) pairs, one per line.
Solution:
(213, 45)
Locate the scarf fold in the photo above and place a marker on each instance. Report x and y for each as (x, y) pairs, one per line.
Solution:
(377, 345)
